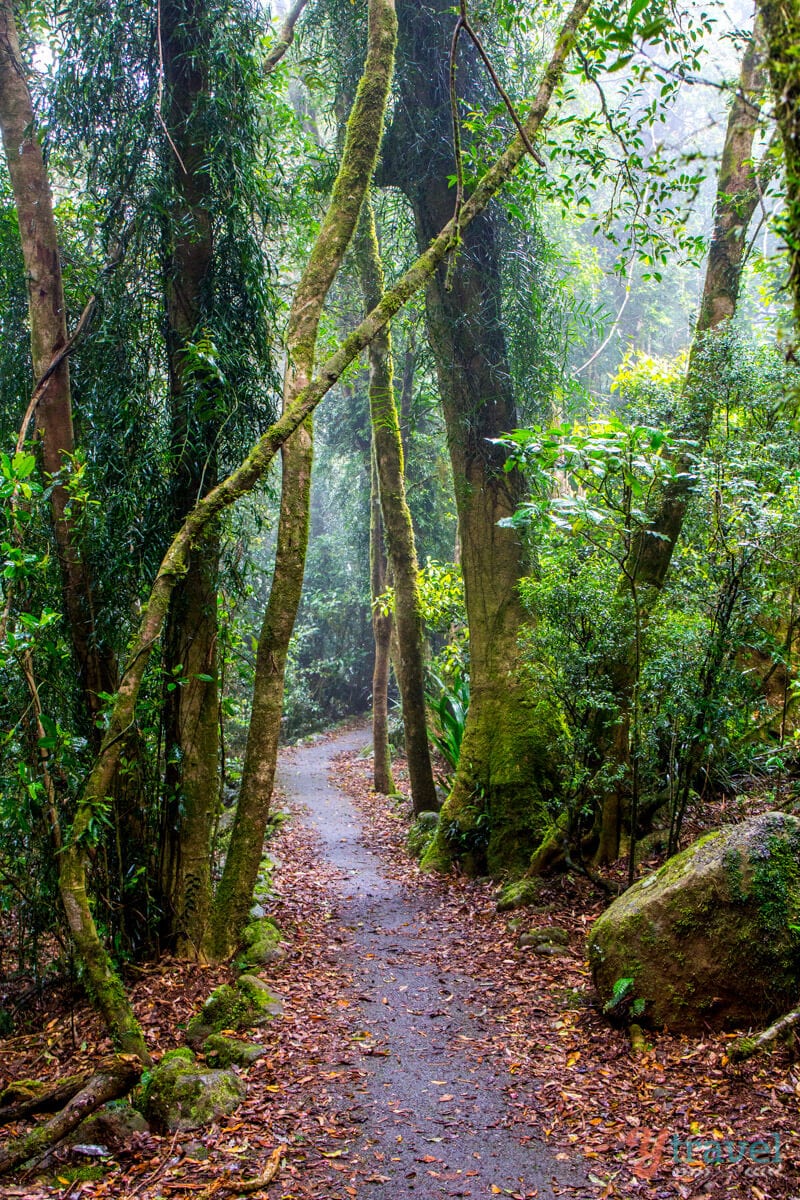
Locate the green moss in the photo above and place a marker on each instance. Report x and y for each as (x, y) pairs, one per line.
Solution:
(249, 1003)
(85, 1173)
(221, 1051)
(180, 1096)
(518, 894)
(262, 940)
(421, 834)
(180, 1054)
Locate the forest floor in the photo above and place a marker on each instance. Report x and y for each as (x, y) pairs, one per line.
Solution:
(421, 1053)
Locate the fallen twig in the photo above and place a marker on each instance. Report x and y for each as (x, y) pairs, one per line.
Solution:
(746, 1047)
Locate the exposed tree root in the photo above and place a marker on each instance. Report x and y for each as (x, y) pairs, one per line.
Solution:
(29, 1096)
(246, 1187)
(114, 1077)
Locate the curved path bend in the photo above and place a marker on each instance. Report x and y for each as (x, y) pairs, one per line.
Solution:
(433, 1119)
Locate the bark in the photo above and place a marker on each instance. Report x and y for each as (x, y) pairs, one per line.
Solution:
(53, 413)
(504, 771)
(382, 779)
(399, 529)
(782, 29)
(738, 191)
(29, 1096)
(247, 475)
(191, 705)
(114, 1077)
(364, 132)
(286, 36)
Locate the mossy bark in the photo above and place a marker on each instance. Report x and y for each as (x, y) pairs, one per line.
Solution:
(737, 196)
(382, 779)
(495, 814)
(191, 701)
(96, 665)
(364, 131)
(402, 548)
(255, 466)
(782, 28)
(115, 1077)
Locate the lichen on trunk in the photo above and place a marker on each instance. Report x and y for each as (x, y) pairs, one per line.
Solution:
(399, 528)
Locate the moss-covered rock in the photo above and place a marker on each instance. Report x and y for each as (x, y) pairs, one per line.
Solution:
(113, 1125)
(544, 935)
(222, 1051)
(421, 833)
(713, 938)
(249, 1003)
(262, 1003)
(518, 894)
(180, 1096)
(263, 943)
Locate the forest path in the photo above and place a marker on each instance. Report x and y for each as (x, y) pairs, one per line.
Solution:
(434, 1120)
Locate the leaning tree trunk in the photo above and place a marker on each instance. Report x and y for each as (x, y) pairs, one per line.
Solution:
(240, 482)
(505, 770)
(399, 529)
(738, 191)
(364, 131)
(53, 417)
(191, 709)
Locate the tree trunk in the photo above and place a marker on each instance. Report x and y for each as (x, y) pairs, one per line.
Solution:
(191, 697)
(364, 131)
(738, 191)
(399, 529)
(782, 28)
(48, 318)
(505, 771)
(240, 482)
(382, 635)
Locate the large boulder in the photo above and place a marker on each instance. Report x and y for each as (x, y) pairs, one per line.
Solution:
(713, 938)
(181, 1095)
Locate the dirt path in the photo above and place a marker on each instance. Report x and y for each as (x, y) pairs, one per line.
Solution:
(434, 1119)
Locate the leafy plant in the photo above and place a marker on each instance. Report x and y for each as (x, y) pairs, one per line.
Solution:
(448, 706)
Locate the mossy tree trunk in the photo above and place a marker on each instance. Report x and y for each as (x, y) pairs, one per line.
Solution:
(191, 702)
(737, 196)
(240, 482)
(504, 771)
(402, 548)
(364, 131)
(382, 621)
(782, 29)
(96, 666)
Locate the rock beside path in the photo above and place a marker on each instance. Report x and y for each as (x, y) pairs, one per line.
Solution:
(181, 1095)
(712, 939)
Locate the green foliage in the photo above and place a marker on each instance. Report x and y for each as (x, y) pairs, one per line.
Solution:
(448, 706)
